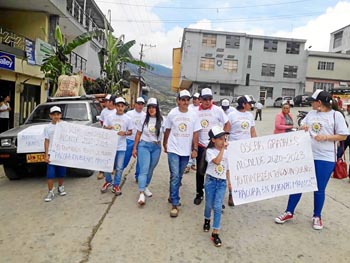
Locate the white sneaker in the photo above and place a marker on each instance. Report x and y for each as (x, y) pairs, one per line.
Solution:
(142, 199)
(50, 196)
(147, 192)
(61, 191)
(317, 223)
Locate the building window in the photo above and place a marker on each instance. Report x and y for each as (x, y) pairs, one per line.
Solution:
(323, 65)
(230, 65)
(338, 37)
(207, 64)
(226, 90)
(323, 85)
(250, 43)
(270, 45)
(232, 41)
(268, 70)
(249, 63)
(288, 92)
(293, 47)
(269, 91)
(290, 71)
(209, 40)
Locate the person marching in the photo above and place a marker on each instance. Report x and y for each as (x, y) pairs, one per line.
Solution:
(217, 173)
(121, 123)
(284, 120)
(225, 106)
(325, 127)
(147, 147)
(53, 171)
(180, 142)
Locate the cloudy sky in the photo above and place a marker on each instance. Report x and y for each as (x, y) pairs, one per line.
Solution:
(160, 23)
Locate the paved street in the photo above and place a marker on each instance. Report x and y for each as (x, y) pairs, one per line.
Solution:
(87, 226)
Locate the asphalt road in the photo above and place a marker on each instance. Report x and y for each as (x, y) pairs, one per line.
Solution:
(87, 226)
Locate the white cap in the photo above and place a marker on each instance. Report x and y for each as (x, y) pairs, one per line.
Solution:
(108, 96)
(119, 100)
(140, 100)
(196, 95)
(315, 95)
(152, 101)
(225, 103)
(206, 93)
(216, 132)
(184, 93)
(55, 109)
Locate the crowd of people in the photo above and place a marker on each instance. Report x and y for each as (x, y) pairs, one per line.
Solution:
(196, 135)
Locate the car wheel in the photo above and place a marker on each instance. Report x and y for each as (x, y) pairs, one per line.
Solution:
(11, 172)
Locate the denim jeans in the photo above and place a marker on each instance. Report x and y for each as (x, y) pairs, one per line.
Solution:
(148, 154)
(215, 189)
(323, 171)
(128, 154)
(118, 167)
(177, 165)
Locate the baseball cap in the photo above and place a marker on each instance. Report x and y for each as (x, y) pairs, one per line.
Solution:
(184, 93)
(196, 95)
(55, 109)
(140, 100)
(108, 97)
(216, 132)
(225, 103)
(152, 101)
(244, 99)
(206, 93)
(321, 95)
(119, 100)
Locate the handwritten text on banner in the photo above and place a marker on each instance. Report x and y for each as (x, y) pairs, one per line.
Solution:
(270, 166)
(31, 139)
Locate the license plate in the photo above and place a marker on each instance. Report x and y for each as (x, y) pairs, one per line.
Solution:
(35, 157)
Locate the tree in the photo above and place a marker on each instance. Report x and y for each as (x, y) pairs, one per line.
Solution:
(57, 63)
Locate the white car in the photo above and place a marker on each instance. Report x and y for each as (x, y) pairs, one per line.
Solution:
(283, 100)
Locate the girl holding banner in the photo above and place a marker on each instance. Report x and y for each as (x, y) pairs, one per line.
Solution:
(325, 126)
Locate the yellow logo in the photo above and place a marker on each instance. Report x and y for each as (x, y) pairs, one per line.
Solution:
(204, 123)
(152, 129)
(244, 125)
(117, 127)
(219, 169)
(316, 127)
(182, 127)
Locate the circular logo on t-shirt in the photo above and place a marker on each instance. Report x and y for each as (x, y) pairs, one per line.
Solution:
(117, 127)
(182, 127)
(204, 123)
(316, 127)
(152, 129)
(219, 169)
(244, 125)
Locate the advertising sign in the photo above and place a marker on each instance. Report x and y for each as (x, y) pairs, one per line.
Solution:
(30, 52)
(7, 61)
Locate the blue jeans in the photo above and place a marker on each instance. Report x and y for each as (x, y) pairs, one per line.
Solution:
(118, 167)
(148, 154)
(323, 171)
(128, 154)
(214, 196)
(177, 165)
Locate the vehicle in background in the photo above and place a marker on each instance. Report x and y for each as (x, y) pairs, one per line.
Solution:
(80, 110)
(343, 93)
(302, 100)
(301, 116)
(283, 100)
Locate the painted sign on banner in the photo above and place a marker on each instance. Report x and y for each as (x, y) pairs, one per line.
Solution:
(84, 147)
(271, 166)
(7, 61)
(30, 52)
(31, 139)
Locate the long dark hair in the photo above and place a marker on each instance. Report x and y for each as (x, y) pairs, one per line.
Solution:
(159, 119)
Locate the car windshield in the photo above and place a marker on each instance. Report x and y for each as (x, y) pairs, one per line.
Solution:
(70, 111)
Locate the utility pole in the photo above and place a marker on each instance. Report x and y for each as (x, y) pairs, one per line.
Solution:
(140, 68)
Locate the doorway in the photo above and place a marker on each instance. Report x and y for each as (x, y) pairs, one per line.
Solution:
(30, 98)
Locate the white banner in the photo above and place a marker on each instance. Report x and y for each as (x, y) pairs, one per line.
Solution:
(270, 166)
(31, 139)
(84, 147)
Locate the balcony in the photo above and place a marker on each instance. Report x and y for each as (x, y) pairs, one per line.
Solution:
(78, 63)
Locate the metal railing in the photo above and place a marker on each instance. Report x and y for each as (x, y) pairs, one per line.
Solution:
(78, 62)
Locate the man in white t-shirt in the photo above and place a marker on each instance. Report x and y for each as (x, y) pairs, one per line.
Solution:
(259, 108)
(225, 106)
(181, 143)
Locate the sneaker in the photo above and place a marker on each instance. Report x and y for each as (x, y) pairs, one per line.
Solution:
(187, 170)
(100, 175)
(174, 212)
(317, 223)
(61, 191)
(142, 199)
(206, 226)
(216, 239)
(105, 187)
(198, 200)
(116, 190)
(230, 200)
(50, 196)
(193, 167)
(147, 192)
(284, 218)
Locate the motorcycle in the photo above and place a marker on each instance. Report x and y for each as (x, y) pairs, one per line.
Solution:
(301, 116)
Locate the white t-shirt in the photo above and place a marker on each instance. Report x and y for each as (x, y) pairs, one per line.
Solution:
(149, 131)
(120, 123)
(5, 114)
(105, 113)
(192, 107)
(182, 125)
(208, 118)
(259, 106)
(217, 171)
(136, 118)
(324, 123)
(229, 110)
(241, 123)
(49, 131)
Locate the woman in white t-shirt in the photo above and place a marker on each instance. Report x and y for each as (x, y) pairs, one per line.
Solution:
(147, 147)
(4, 114)
(325, 127)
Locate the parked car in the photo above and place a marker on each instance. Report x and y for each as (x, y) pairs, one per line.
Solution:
(81, 110)
(302, 100)
(282, 100)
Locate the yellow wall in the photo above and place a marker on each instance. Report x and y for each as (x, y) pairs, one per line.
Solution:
(25, 23)
(341, 68)
(175, 81)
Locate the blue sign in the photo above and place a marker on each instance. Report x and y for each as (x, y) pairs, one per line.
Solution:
(30, 54)
(7, 61)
